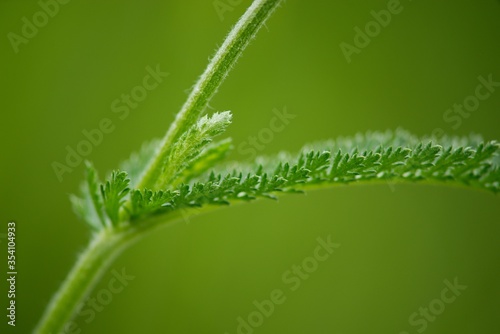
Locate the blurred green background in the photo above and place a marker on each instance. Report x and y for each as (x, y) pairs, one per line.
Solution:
(398, 243)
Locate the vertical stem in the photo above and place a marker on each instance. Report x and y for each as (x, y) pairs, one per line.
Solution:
(217, 70)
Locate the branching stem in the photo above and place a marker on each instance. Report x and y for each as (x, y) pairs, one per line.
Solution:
(109, 242)
(203, 91)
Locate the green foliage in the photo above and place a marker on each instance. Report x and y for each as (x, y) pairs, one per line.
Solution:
(89, 206)
(189, 147)
(93, 191)
(311, 169)
(206, 159)
(113, 193)
(149, 201)
(370, 158)
(100, 203)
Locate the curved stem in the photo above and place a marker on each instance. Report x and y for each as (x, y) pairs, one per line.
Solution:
(215, 73)
(104, 247)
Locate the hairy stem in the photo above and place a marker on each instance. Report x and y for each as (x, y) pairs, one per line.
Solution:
(207, 85)
(104, 247)
(86, 272)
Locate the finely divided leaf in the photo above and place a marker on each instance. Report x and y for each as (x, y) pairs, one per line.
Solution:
(472, 165)
(373, 157)
(93, 187)
(190, 145)
(147, 201)
(89, 205)
(212, 154)
(113, 194)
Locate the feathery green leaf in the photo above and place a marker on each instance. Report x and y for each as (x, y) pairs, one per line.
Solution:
(374, 157)
(89, 205)
(190, 145)
(113, 193)
(362, 159)
(205, 160)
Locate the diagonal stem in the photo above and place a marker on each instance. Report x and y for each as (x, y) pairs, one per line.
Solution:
(93, 262)
(206, 87)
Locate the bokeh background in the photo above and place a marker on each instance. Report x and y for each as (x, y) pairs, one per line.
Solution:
(398, 242)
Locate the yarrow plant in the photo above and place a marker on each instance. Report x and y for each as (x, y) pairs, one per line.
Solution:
(185, 171)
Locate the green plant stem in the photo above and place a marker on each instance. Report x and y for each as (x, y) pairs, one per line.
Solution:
(104, 247)
(217, 70)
